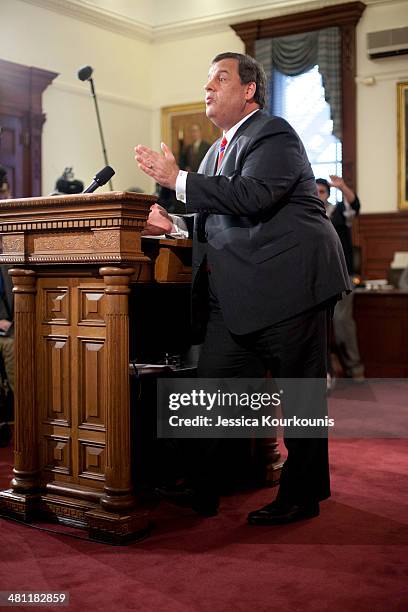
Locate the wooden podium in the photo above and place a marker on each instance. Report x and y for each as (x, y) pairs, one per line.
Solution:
(72, 259)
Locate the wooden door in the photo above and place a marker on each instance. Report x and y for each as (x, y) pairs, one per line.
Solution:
(12, 152)
(21, 120)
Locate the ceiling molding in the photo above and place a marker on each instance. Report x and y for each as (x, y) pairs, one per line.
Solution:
(203, 26)
(222, 21)
(101, 18)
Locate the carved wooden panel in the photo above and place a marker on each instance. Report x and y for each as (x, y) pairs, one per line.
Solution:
(72, 374)
(14, 244)
(56, 306)
(91, 380)
(90, 307)
(57, 374)
(91, 460)
(107, 240)
(58, 454)
(72, 242)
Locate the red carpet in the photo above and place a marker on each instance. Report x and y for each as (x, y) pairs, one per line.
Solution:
(352, 558)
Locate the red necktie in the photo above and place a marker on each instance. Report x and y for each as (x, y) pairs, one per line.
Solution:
(223, 144)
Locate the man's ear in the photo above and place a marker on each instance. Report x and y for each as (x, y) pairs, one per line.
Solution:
(250, 91)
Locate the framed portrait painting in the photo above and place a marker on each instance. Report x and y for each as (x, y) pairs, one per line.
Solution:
(402, 116)
(182, 126)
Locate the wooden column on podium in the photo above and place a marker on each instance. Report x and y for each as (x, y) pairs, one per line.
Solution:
(72, 259)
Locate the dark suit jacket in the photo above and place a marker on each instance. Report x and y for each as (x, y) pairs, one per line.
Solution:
(261, 229)
(344, 231)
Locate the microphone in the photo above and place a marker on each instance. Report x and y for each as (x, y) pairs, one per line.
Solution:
(100, 179)
(85, 73)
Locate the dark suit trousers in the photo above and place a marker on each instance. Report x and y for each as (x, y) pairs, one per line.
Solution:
(294, 348)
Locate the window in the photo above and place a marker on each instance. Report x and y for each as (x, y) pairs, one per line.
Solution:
(346, 17)
(300, 100)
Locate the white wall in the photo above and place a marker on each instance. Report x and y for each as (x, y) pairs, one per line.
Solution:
(122, 74)
(376, 111)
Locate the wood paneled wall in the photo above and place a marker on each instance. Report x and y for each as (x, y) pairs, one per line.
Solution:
(379, 235)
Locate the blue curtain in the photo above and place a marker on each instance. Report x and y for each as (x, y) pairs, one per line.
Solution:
(298, 53)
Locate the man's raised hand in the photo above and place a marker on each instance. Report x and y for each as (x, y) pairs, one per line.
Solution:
(162, 168)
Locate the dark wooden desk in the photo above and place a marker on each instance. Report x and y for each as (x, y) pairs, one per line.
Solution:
(382, 329)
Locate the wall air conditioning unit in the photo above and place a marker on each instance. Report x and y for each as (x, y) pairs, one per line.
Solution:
(387, 43)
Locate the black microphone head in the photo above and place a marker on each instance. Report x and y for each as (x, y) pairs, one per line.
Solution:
(104, 175)
(85, 73)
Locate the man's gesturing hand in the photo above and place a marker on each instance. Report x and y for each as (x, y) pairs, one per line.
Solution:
(163, 168)
(158, 222)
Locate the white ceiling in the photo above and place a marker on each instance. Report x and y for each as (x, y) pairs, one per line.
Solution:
(156, 20)
(162, 12)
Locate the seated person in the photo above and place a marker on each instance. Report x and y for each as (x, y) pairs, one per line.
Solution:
(4, 185)
(6, 324)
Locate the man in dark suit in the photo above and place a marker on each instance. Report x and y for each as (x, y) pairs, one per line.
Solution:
(267, 265)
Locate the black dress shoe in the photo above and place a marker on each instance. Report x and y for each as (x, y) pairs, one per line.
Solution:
(182, 496)
(278, 513)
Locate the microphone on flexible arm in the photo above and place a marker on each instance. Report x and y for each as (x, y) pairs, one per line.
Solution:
(85, 74)
(100, 179)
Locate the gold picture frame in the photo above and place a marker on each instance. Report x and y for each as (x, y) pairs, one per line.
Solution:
(402, 136)
(176, 123)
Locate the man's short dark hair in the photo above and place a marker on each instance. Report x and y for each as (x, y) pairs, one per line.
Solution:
(321, 181)
(250, 71)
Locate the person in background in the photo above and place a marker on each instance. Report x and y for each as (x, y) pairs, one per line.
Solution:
(6, 324)
(4, 185)
(192, 155)
(341, 215)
